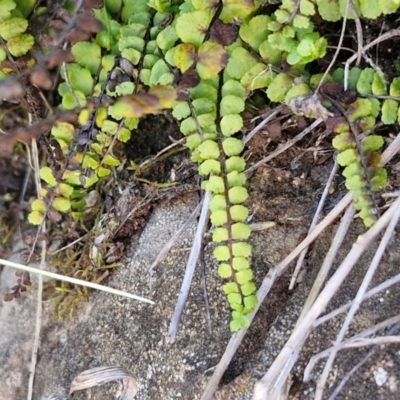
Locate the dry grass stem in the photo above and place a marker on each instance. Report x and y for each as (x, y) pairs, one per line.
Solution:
(362, 335)
(382, 38)
(358, 299)
(285, 146)
(267, 385)
(74, 281)
(191, 264)
(380, 288)
(39, 310)
(314, 223)
(274, 112)
(339, 387)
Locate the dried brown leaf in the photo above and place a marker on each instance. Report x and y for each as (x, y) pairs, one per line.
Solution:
(101, 375)
(88, 23)
(41, 78)
(224, 34)
(58, 57)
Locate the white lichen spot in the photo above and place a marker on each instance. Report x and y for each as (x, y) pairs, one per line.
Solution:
(380, 376)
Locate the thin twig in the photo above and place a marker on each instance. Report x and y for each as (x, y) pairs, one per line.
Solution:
(74, 281)
(191, 264)
(314, 223)
(274, 112)
(288, 144)
(39, 311)
(359, 32)
(339, 46)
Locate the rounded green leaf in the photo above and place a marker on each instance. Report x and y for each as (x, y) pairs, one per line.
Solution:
(378, 85)
(255, 31)
(167, 38)
(210, 166)
(238, 195)
(102, 172)
(215, 184)
(61, 204)
(348, 157)
(204, 106)
(188, 126)
(239, 212)
(193, 141)
(234, 298)
(65, 190)
(209, 150)
(63, 131)
(47, 175)
(110, 160)
(259, 76)
(220, 235)
(124, 135)
(231, 124)
(184, 56)
(13, 27)
(235, 163)
(244, 276)
(218, 202)
(241, 249)
(87, 54)
(191, 27)
(222, 253)
(240, 231)
(248, 288)
(230, 287)
(20, 45)
(225, 271)
(364, 83)
(329, 10)
(240, 263)
(279, 86)
(302, 89)
(219, 217)
(389, 111)
(359, 109)
(240, 61)
(250, 302)
(238, 323)
(236, 9)
(356, 182)
(35, 217)
(181, 110)
(233, 87)
(236, 178)
(371, 143)
(232, 146)
(231, 105)
(344, 141)
(39, 205)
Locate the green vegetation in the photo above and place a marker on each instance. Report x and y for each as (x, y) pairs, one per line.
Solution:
(204, 59)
